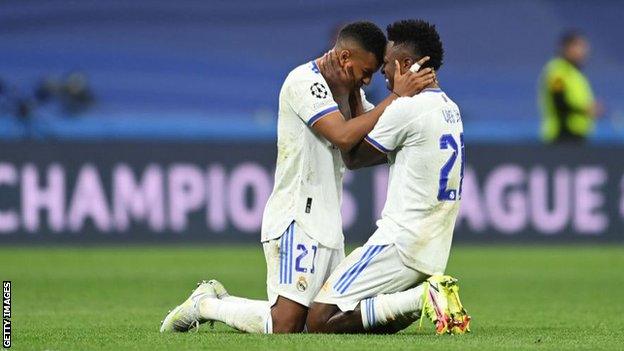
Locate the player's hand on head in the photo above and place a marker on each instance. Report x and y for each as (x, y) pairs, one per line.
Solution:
(410, 83)
(423, 60)
(340, 79)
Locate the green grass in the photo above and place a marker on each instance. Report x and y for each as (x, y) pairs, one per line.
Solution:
(522, 298)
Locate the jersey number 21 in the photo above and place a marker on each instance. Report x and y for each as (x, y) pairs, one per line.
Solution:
(448, 141)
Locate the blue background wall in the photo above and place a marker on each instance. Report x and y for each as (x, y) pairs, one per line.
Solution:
(212, 69)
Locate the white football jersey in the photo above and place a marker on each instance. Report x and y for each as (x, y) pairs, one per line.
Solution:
(309, 170)
(423, 138)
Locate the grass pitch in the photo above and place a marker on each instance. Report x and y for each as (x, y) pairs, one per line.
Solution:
(520, 298)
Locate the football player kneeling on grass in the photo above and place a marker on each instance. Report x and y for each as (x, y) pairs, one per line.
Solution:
(396, 277)
(301, 227)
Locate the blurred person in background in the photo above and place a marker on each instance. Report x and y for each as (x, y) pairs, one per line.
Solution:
(566, 99)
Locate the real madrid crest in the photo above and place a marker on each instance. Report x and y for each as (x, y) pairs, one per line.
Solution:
(302, 284)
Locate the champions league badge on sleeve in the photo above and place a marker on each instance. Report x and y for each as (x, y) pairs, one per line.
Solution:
(318, 90)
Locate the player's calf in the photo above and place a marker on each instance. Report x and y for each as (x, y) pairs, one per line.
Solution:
(319, 316)
(288, 316)
(329, 319)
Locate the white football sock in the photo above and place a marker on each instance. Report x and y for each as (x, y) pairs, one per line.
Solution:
(251, 316)
(257, 303)
(385, 308)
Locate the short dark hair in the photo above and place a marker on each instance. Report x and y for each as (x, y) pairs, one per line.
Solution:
(370, 37)
(570, 36)
(422, 37)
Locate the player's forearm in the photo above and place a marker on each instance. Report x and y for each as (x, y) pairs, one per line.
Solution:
(350, 105)
(344, 106)
(356, 108)
(352, 161)
(362, 162)
(359, 158)
(355, 103)
(354, 164)
(354, 130)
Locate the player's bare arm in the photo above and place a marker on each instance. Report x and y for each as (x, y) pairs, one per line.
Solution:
(355, 103)
(356, 106)
(350, 105)
(345, 134)
(363, 155)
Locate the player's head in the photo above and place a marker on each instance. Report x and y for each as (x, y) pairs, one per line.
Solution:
(574, 47)
(408, 42)
(361, 46)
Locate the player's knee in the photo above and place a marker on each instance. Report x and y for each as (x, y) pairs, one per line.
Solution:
(318, 315)
(315, 323)
(286, 324)
(288, 316)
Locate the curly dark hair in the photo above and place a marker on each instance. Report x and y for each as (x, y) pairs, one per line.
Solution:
(422, 37)
(370, 37)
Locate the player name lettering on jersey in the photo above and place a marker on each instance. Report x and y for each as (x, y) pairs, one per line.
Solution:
(451, 115)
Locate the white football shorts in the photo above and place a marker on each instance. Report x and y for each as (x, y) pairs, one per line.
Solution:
(297, 265)
(368, 271)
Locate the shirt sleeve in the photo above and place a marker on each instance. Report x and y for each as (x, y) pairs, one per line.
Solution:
(365, 103)
(391, 130)
(312, 100)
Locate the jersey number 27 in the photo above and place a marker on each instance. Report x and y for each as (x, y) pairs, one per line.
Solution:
(448, 141)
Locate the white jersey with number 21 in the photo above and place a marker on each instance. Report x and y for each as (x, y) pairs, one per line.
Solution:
(309, 170)
(423, 138)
